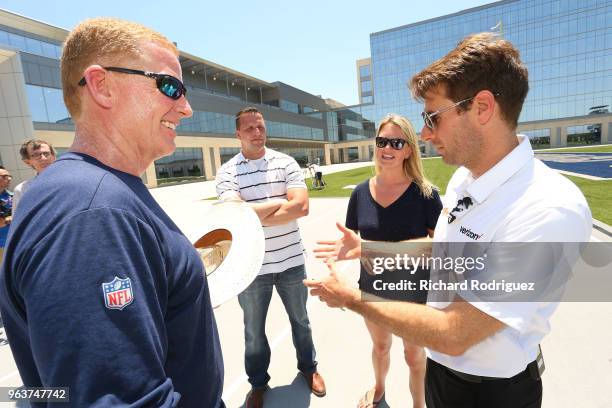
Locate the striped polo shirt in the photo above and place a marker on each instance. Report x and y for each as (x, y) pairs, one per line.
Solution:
(262, 180)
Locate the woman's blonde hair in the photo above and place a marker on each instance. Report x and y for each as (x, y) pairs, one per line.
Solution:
(412, 165)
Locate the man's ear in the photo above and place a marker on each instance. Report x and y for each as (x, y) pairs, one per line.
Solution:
(98, 85)
(484, 103)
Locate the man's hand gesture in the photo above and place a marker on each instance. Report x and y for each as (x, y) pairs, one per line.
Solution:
(347, 247)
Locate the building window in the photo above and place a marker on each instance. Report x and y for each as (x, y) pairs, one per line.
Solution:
(307, 110)
(47, 104)
(539, 138)
(364, 71)
(366, 86)
(289, 106)
(36, 103)
(185, 164)
(304, 156)
(354, 123)
(367, 99)
(54, 99)
(584, 135)
(227, 153)
(212, 122)
(30, 45)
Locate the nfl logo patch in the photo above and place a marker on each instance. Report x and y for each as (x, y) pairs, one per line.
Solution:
(118, 293)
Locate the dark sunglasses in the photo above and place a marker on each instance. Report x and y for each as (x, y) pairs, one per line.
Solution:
(167, 84)
(431, 118)
(462, 204)
(396, 144)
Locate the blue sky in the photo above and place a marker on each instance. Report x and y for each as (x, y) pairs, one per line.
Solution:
(312, 44)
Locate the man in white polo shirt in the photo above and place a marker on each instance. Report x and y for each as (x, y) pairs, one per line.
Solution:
(272, 182)
(482, 353)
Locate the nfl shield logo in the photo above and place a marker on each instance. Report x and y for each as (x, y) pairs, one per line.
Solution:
(118, 293)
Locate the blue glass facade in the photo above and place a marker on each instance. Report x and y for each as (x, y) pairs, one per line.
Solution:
(352, 123)
(213, 122)
(30, 45)
(566, 45)
(46, 103)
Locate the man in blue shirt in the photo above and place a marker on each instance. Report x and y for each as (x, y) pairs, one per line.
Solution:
(99, 290)
(6, 206)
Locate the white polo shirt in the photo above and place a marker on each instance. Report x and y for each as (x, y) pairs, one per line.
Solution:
(520, 199)
(261, 180)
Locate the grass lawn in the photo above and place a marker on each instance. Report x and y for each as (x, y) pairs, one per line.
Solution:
(585, 149)
(599, 196)
(597, 193)
(435, 170)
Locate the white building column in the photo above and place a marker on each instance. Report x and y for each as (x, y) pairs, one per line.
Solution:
(150, 178)
(15, 118)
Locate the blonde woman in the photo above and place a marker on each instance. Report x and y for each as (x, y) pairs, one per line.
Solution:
(397, 204)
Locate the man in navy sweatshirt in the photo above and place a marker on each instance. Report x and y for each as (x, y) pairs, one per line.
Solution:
(99, 290)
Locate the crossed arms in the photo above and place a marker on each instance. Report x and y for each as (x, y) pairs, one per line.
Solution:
(279, 211)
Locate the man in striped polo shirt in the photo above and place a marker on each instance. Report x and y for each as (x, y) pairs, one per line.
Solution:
(273, 184)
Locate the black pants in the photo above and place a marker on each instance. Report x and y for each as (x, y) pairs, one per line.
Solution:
(319, 177)
(443, 389)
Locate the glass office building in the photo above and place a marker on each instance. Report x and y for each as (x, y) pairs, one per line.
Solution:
(32, 106)
(566, 45)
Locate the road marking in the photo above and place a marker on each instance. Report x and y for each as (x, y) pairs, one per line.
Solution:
(585, 176)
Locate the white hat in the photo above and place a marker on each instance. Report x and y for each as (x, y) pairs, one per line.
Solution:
(231, 241)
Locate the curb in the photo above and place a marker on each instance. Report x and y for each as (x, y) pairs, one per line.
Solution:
(602, 227)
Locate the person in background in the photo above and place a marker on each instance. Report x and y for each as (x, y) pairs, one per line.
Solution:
(6, 207)
(38, 154)
(6, 212)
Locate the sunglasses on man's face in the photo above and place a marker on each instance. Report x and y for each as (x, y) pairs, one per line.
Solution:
(430, 119)
(167, 84)
(396, 144)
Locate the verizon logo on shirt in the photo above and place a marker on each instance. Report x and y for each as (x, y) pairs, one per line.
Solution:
(469, 233)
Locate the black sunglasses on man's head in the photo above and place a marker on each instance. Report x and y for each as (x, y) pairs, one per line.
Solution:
(464, 202)
(396, 144)
(167, 84)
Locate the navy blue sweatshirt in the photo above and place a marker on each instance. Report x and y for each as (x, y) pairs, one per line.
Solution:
(101, 292)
